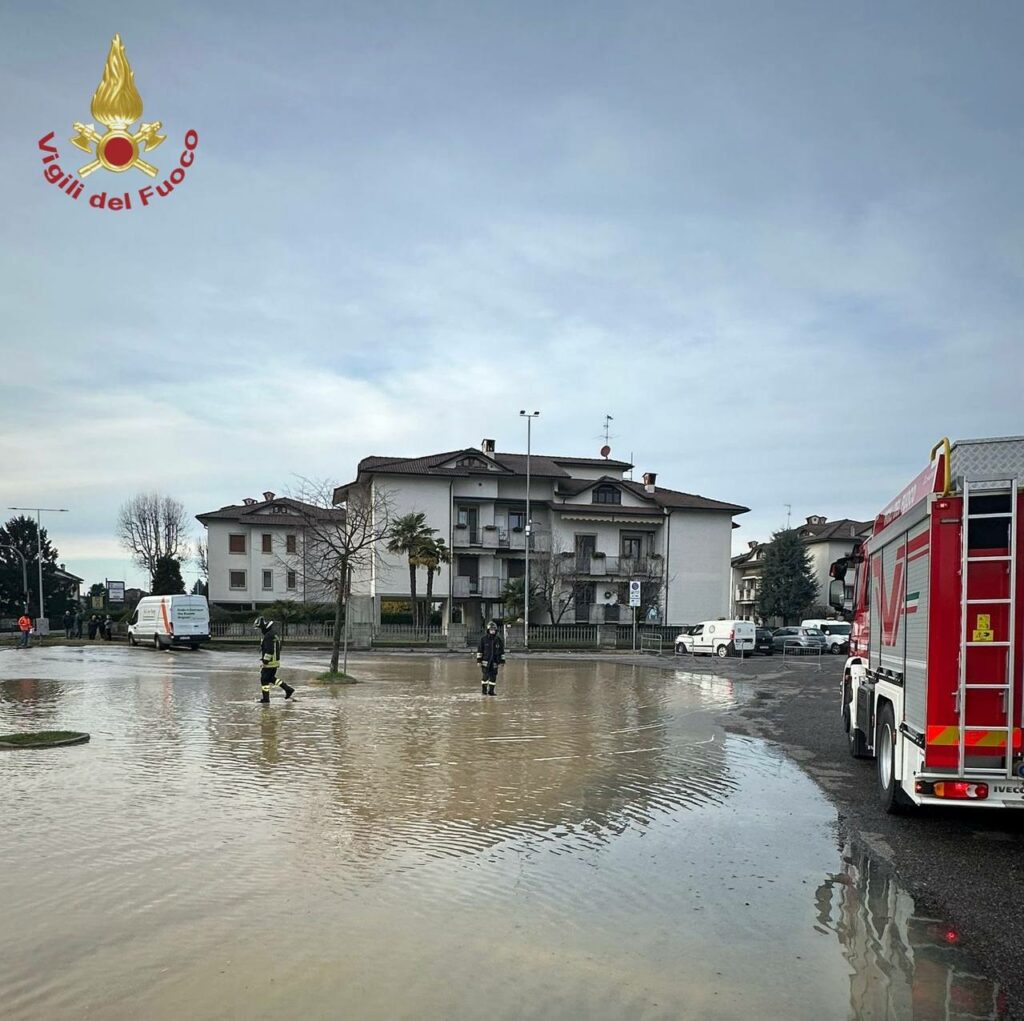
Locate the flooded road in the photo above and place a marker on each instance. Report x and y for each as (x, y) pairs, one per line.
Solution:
(591, 843)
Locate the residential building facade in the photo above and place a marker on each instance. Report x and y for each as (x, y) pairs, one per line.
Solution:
(592, 531)
(826, 542)
(256, 553)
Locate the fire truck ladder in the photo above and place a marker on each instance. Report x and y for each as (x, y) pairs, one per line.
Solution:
(979, 487)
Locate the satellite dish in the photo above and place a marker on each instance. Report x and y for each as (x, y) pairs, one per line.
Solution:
(605, 450)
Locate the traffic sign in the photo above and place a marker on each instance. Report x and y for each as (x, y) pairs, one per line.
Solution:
(634, 593)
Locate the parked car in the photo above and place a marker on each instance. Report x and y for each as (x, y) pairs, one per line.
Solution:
(763, 641)
(717, 638)
(798, 639)
(836, 632)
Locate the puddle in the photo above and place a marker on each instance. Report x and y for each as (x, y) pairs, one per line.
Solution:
(588, 844)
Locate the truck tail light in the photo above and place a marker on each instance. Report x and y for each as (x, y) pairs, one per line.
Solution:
(953, 790)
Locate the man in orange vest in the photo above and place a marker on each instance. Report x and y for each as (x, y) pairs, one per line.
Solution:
(25, 626)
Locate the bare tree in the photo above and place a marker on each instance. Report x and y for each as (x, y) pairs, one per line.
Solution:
(551, 572)
(151, 526)
(340, 541)
(201, 556)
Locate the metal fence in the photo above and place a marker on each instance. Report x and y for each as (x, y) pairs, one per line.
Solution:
(563, 636)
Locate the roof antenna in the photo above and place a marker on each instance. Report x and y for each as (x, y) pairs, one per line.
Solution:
(789, 508)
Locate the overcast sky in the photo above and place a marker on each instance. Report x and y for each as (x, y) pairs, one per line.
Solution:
(780, 243)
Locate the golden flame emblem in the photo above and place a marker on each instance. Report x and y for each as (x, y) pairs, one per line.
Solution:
(117, 104)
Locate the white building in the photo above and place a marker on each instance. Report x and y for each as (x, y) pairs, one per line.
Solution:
(826, 542)
(256, 552)
(593, 532)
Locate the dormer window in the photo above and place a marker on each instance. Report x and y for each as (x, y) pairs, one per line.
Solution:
(607, 494)
(471, 462)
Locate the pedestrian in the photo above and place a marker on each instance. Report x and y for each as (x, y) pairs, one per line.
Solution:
(93, 626)
(69, 623)
(108, 628)
(270, 660)
(25, 627)
(79, 621)
(490, 654)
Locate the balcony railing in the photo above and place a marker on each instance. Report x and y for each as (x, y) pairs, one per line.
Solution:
(486, 587)
(620, 567)
(746, 595)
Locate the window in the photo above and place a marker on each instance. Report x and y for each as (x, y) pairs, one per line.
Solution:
(268, 581)
(517, 519)
(236, 579)
(516, 568)
(607, 494)
(268, 543)
(292, 582)
(631, 545)
(236, 544)
(291, 543)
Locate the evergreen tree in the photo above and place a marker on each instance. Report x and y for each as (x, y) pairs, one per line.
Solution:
(787, 580)
(167, 580)
(21, 532)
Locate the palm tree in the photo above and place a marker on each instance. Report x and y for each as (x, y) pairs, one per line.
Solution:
(434, 553)
(407, 535)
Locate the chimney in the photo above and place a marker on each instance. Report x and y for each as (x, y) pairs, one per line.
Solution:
(487, 446)
(753, 544)
(268, 496)
(816, 519)
(649, 479)
(248, 501)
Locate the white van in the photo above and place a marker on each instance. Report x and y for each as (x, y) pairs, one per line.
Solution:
(163, 621)
(836, 632)
(718, 638)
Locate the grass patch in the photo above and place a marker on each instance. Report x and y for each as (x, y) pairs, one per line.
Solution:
(340, 677)
(43, 739)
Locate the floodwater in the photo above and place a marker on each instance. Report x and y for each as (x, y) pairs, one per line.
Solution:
(589, 844)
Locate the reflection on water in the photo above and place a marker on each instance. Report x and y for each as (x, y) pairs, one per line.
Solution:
(902, 964)
(589, 844)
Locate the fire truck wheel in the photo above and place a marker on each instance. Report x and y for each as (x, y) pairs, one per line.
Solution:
(891, 794)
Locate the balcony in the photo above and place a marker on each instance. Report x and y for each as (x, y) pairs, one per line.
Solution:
(484, 587)
(746, 594)
(618, 567)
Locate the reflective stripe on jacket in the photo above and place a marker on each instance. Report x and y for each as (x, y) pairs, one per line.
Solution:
(25, 623)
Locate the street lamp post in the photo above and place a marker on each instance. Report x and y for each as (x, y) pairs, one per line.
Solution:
(529, 416)
(24, 574)
(39, 544)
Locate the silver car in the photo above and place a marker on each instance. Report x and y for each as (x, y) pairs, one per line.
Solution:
(799, 640)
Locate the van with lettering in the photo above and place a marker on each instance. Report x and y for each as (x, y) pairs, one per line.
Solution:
(932, 687)
(718, 638)
(167, 621)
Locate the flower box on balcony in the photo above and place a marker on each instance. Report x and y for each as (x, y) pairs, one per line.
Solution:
(460, 525)
(598, 555)
(517, 529)
(490, 528)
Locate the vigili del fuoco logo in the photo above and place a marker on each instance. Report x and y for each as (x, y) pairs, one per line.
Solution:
(117, 105)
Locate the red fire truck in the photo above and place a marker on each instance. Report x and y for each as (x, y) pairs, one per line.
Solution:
(932, 687)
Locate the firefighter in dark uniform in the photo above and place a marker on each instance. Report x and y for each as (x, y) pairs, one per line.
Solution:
(270, 660)
(490, 654)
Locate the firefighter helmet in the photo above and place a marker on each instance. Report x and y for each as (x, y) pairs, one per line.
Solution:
(262, 624)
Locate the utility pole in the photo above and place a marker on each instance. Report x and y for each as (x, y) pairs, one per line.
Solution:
(39, 543)
(529, 531)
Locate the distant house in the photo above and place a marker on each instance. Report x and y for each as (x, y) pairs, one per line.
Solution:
(826, 541)
(256, 552)
(594, 531)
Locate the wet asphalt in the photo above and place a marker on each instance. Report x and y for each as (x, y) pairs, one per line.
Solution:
(966, 866)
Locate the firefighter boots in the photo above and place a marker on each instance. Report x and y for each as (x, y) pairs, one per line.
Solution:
(288, 691)
(490, 689)
(483, 687)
